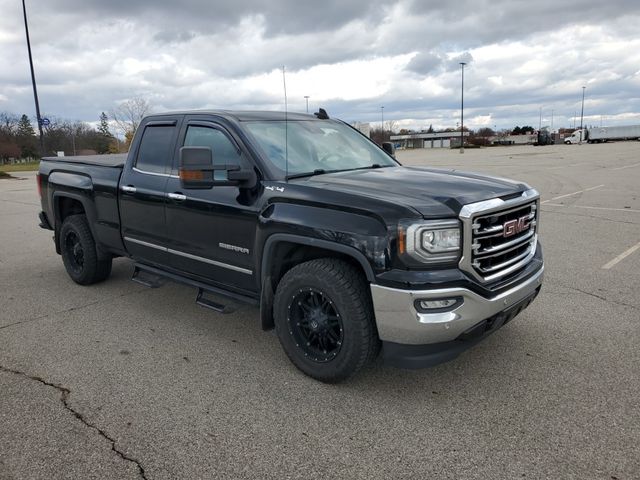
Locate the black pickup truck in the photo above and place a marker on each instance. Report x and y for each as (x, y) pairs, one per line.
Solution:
(346, 252)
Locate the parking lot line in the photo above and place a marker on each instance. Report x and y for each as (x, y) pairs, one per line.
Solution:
(574, 193)
(627, 166)
(621, 257)
(594, 208)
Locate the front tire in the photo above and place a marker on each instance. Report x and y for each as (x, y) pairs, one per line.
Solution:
(324, 319)
(79, 253)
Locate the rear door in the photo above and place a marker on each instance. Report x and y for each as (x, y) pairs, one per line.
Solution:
(142, 191)
(211, 232)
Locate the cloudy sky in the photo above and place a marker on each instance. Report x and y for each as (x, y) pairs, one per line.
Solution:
(350, 56)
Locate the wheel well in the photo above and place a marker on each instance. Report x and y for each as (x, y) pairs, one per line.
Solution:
(68, 206)
(64, 207)
(285, 256)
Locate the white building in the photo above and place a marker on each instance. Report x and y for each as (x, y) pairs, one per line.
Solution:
(428, 140)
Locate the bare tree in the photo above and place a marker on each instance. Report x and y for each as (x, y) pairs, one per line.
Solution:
(390, 126)
(8, 123)
(128, 115)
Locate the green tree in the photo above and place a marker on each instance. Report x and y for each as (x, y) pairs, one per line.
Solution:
(26, 138)
(104, 125)
(430, 129)
(105, 137)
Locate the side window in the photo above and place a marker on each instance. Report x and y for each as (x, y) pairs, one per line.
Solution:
(155, 149)
(224, 151)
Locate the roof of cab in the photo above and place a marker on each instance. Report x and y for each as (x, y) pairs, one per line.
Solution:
(243, 115)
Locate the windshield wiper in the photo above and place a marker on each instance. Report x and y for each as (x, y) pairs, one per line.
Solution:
(375, 165)
(317, 171)
(322, 171)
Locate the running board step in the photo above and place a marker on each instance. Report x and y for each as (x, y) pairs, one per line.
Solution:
(146, 278)
(155, 277)
(205, 302)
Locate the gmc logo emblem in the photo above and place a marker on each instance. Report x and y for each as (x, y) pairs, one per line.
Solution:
(516, 226)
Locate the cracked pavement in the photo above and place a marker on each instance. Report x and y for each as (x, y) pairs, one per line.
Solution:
(119, 381)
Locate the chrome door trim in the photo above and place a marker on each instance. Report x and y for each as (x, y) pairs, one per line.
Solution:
(155, 174)
(211, 262)
(146, 244)
(192, 257)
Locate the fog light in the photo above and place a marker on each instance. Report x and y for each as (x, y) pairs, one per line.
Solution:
(438, 305)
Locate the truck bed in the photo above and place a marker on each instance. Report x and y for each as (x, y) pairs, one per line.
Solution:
(112, 160)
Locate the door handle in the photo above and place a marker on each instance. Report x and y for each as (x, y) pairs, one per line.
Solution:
(179, 197)
(128, 189)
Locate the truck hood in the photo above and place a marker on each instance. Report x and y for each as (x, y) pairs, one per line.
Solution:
(432, 192)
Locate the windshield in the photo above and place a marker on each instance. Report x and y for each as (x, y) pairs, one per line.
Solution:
(316, 147)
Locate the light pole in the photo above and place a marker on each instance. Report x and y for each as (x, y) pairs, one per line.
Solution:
(582, 115)
(382, 122)
(462, 64)
(306, 97)
(33, 79)
(540, 124)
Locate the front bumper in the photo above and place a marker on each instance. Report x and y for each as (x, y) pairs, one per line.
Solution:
(403, 329)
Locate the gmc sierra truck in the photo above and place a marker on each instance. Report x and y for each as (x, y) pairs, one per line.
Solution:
(347, 253)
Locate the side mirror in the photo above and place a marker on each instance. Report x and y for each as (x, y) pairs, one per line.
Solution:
(197, 170)
(389, 148)
(196, 167)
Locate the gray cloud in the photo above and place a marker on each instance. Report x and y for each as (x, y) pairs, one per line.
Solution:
(424, 63)
(195, 54)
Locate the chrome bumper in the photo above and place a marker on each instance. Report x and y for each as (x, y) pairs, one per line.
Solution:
(398, 320)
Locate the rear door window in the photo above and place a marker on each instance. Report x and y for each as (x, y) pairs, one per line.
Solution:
(155, 152)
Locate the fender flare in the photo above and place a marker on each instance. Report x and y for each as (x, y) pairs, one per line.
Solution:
(267, 293)
(89, 210)
(276, 238)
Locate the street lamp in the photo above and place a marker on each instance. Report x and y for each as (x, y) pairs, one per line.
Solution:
(306, 97)
(540, 124)
(382, 122)
(33, 78)
(462, 64)
(582, 114)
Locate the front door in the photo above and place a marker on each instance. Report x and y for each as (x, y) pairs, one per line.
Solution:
(142, 191)
(211, 232)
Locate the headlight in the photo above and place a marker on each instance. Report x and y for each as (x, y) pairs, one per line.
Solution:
(434, 241)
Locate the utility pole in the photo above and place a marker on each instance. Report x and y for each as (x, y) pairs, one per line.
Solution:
(462, 64)
(306, 97)
(382, 122)
(33, 79)
(552, 121)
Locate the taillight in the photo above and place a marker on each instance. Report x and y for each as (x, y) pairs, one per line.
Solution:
(39, 184)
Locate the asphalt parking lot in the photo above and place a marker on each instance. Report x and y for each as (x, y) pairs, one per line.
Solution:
(118, 381)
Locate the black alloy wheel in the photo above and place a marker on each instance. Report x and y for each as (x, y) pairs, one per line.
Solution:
(74, 251)
(324, 319)
(79, 252)
(315, 324)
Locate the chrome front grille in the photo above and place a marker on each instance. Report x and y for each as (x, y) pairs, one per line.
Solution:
(500, 236)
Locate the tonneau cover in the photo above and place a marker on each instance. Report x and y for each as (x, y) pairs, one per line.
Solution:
(112, 160)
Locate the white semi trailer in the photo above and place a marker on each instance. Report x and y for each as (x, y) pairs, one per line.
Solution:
(604, 134)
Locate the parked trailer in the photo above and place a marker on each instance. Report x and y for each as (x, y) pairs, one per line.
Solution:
(604, 134)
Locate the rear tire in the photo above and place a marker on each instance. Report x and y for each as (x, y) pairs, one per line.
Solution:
(324, 319)
(79, 253)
